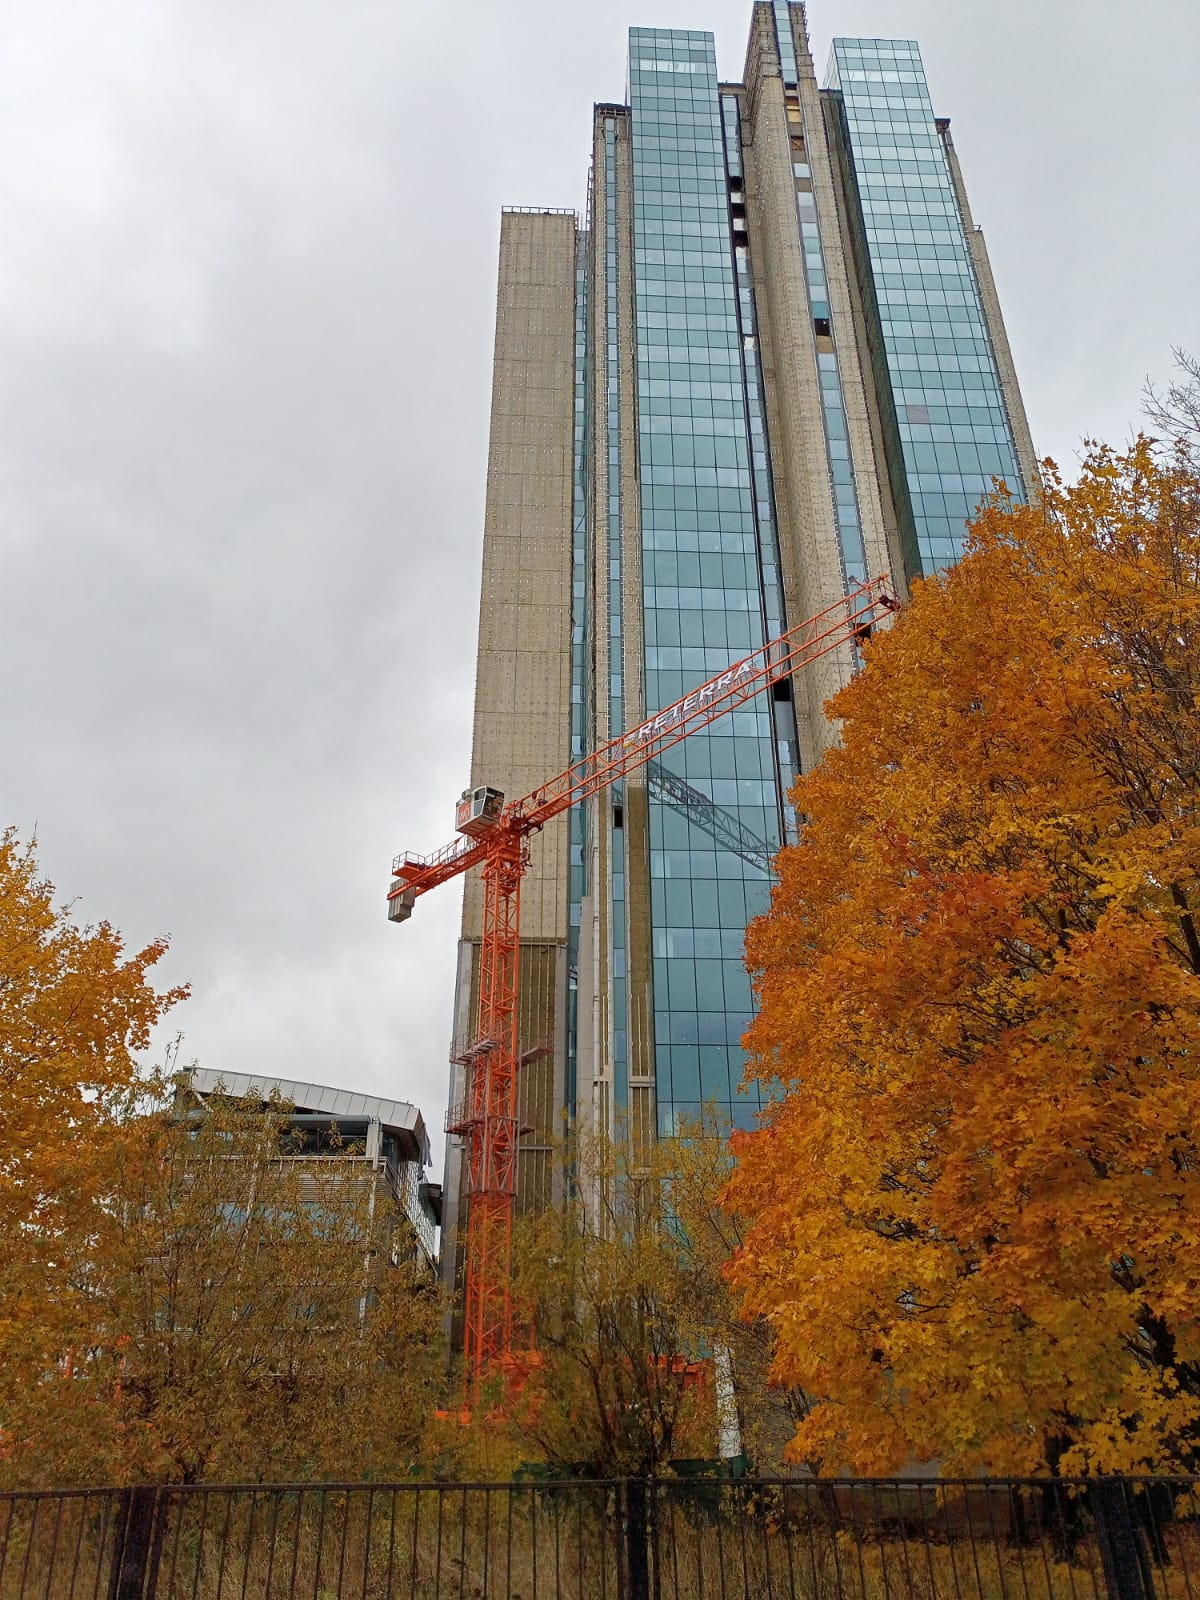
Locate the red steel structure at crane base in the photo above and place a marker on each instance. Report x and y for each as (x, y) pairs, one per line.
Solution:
(494, 837)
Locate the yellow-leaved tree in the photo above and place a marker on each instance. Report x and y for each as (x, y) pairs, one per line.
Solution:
(256, 1316)
(182, 1296)
(615, 1387)
(75, 1009)
(977, 1202)
(639, 1357)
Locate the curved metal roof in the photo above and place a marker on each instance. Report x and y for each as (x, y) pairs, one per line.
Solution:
(397, 1116)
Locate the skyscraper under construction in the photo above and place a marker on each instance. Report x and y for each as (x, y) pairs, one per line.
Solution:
(769, 363)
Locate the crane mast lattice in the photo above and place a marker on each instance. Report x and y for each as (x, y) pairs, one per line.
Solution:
(494, 837)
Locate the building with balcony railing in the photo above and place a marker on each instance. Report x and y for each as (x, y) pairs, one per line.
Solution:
(383, 1141)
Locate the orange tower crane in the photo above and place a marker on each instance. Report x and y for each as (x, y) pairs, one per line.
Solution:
(494, 837)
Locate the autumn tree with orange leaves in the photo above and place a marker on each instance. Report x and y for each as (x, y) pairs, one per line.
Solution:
(977, 1203)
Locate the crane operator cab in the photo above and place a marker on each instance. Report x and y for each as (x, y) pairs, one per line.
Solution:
(478, 811)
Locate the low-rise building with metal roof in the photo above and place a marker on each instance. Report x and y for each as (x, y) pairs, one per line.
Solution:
(386, 1139)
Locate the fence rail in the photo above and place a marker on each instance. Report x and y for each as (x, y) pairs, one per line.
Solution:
(678, 1539)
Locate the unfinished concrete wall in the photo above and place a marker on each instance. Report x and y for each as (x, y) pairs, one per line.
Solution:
(523, 673)
(779, 127)
(994, 320)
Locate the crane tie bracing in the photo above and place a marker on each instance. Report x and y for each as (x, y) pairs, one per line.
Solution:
(494, 837)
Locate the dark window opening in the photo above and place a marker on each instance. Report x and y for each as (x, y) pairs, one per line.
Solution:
(821, 328)
(782, 690)
(317, 1135)
(618, 816)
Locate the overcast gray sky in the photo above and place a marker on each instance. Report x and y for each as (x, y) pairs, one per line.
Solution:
(249, 252)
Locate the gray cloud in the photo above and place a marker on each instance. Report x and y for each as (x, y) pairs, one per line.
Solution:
(249, 266)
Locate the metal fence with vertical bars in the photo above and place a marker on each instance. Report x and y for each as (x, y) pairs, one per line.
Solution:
(677, 1539)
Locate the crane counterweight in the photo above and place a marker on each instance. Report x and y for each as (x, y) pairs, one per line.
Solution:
(400, 906)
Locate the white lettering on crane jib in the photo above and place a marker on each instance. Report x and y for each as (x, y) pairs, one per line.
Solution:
(647, 731)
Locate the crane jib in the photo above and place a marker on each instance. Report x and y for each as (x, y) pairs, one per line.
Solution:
(843, 621)
(489, 1126)
(774, 659)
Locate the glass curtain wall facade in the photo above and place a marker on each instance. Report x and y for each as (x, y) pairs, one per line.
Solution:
(769, 362)
(702, 568)
(954, 428)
